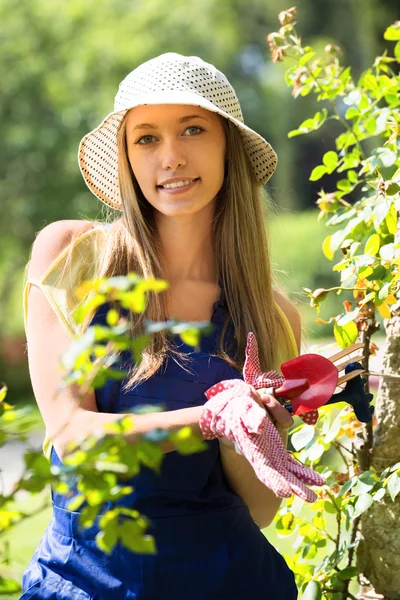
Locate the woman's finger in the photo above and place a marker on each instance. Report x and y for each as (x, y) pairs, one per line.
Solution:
(278, 412)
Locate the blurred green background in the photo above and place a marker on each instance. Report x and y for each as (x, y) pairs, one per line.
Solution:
(60, 65)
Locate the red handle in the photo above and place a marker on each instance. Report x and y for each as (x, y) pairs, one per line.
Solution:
(311, 380)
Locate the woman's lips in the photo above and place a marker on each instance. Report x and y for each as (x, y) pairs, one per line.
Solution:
(179, 190)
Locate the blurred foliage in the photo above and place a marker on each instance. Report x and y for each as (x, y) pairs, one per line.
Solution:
(98, 471)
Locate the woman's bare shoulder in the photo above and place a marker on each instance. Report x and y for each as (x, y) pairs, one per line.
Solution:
(52, 240)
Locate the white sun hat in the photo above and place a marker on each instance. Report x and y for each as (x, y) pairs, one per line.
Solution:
(167, 79)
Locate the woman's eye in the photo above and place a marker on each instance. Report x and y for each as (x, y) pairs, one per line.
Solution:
(195, 127)
(139, 141)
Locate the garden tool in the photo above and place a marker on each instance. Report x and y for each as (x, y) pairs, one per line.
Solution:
(309, 381)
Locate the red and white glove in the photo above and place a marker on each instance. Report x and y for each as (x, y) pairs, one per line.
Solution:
(252, 374)
(233, 412)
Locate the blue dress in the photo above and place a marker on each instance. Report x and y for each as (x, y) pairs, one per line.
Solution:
(208, 546)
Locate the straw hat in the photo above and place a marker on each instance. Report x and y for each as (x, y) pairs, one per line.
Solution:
(167, 79)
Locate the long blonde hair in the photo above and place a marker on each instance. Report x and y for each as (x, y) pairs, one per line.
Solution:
(242, 260)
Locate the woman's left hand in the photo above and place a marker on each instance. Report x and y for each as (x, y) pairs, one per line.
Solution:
(280, 417)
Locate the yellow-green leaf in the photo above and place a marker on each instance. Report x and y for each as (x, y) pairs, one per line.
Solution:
(191, 337)
(112, 317)
(317, 173)
(391, 220)
(326, 248)
(306, 57)
(372, 245)
(345, 335)
(384, 311)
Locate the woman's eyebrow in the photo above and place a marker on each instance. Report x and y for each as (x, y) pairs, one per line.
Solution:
(181, 120)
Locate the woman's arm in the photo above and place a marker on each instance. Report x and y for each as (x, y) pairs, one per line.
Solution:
(65, 416)
(262, 502)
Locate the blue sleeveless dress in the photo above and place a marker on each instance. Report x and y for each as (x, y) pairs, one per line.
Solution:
(208, 546)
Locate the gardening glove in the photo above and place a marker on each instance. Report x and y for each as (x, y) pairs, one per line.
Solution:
(232, 412)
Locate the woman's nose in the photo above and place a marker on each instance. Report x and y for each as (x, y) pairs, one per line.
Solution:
(172, 155)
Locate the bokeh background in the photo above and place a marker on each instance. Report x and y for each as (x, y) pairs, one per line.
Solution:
(60, 65)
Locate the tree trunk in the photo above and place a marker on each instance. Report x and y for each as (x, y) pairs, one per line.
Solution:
(379, 550)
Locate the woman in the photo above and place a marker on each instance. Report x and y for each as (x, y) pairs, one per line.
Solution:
(177, 160)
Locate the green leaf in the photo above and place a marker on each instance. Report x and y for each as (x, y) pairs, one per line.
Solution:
(387, 251)
(326, 248)
(384, 291)
(352, 176)
(362, 488)
(362, 504)
(315, 451)
(394, 486)
(392, 189)
(348, 573)
(318, 172)
(191, 337)
(370, 124)
(132, 537)
(372, 245)
(330, 159)
(388, 157)
(9, 586)
(347, 317)
(347, 486)
(352, 113)
(379, 494)
(302, 437)
(344, 185)
(330, 507)
(88, 515)
(397, 51)
(38, 463)
(392, 33)
(107, 539)
(333, 430)
(306, 57)
(112, 317)
(391, 218)
(313, 591)
(346, 335)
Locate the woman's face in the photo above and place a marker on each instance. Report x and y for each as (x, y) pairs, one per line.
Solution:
(176, 142)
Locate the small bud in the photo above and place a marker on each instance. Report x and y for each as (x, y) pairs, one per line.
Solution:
(320, 294)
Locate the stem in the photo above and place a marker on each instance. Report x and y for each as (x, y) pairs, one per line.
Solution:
(346, 289)
(341, 453)
(338, 522)
(346, 593)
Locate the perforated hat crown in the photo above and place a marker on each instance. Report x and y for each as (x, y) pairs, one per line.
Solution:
(167, 79)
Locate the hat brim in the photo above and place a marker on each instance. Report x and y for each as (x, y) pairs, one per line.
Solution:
(98, 151)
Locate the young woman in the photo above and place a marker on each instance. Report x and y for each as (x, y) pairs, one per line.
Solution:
(186, 174)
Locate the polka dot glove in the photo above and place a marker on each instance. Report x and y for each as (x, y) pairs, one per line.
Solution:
(252, 374)
(233, 412)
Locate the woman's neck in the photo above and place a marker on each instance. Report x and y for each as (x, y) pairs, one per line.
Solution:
(187, 248)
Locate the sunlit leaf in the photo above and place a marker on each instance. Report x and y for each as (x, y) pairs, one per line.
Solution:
(313, 591)
(318, 172)
(392, 33)
(372, 245)
(346, 335)
(326, 248)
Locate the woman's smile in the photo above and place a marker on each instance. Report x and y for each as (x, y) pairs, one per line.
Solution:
(179, 188)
